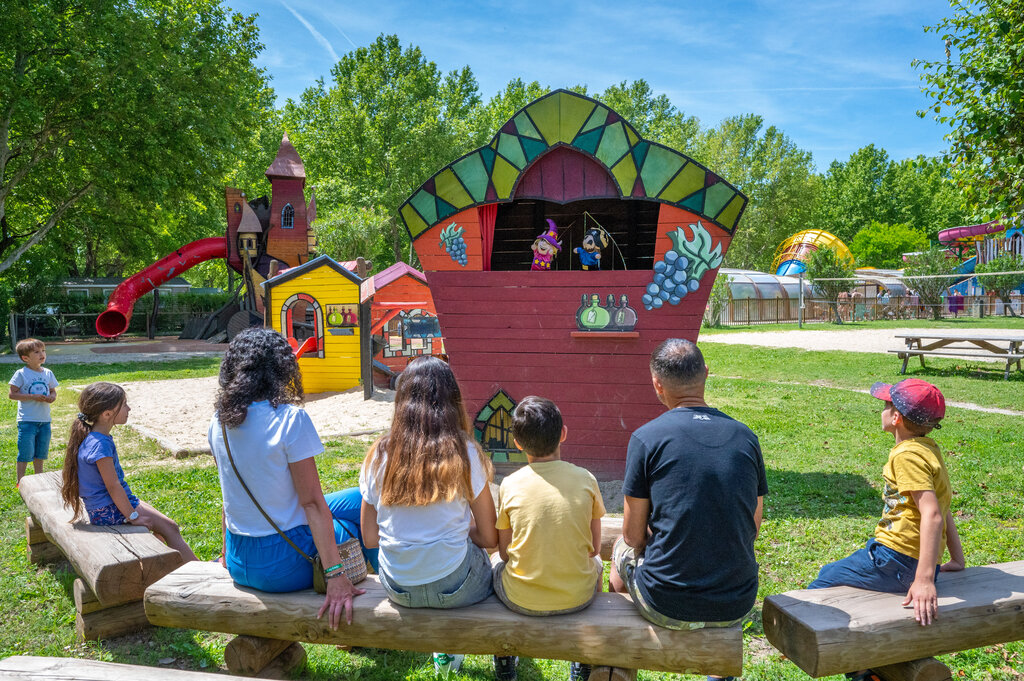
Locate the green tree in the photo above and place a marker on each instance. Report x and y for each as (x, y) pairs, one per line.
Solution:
(718, 302)
(921, 275)
(883, 245)
(826, 271)
(108, 110)
(1003, 284)
(350, 232)
(856, 192)
(924, 196)
(653, 116)
(979, 92)
(388, 121)
(486, 118)
(776, 175)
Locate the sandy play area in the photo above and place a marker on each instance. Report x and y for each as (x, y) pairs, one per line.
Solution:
(177, 413)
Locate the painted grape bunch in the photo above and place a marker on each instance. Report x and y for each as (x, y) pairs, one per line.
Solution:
(454, 244)
(678, 273)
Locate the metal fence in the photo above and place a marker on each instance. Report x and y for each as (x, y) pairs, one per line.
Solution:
(749, 311)
(82, 325)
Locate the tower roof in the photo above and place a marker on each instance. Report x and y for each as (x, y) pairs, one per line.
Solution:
(287, 162)
(250, 223)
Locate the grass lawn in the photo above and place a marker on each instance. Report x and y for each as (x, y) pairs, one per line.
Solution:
(823, 447)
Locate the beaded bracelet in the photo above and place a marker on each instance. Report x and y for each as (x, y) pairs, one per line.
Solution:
(333, 569)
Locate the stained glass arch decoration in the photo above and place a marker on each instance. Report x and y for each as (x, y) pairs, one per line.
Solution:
(493, 428)
(639, 168)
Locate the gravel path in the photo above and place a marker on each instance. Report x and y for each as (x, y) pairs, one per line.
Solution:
(851, 340)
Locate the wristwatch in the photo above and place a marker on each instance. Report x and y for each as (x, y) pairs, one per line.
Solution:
(134, 515)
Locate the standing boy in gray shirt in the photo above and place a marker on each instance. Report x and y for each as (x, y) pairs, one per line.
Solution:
(35, 388)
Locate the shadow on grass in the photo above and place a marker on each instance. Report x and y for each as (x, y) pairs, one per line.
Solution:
(820, 495)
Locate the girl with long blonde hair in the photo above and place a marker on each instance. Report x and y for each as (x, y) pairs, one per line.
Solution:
(426, 496)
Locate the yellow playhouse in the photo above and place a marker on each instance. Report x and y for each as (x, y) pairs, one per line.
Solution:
(316, 307)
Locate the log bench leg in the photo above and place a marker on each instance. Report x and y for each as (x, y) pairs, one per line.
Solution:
(94, 621)
(39, 548)
(925, 669)
(267, 658)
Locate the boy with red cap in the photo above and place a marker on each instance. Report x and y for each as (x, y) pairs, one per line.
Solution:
(916, 525)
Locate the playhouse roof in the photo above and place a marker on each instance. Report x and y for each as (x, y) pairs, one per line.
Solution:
(306, 267)
(638, 168)
(378, 281)
(287, 162)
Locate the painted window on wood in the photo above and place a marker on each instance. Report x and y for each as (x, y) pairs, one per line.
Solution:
(409, 333)
(493, 429)
(302, 318)
(287, 217)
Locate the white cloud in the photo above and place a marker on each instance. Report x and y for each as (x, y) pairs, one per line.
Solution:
(317, 36)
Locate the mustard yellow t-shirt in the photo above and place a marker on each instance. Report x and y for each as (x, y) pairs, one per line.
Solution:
(549, 506)
(914, 465)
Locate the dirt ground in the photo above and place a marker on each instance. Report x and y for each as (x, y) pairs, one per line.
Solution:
(177, 413)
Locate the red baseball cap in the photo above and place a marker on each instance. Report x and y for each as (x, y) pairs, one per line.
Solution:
(919, 401)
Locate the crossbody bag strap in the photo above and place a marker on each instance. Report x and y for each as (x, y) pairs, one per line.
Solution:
(227, 447)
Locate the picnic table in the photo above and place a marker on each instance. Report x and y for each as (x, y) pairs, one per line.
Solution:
(1003, 346)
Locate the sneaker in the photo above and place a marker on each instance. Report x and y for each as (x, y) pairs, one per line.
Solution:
(579, 671)
(505, 668)
(445, 664)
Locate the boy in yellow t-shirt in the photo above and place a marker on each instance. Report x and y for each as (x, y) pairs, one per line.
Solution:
(549, 524)
(916, 525)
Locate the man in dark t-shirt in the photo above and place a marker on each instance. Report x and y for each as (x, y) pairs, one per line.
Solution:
(694, 488)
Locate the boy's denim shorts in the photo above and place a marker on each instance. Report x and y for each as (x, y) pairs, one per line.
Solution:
(875, 567)
(625, 561)
(468, 584)
(33, 440)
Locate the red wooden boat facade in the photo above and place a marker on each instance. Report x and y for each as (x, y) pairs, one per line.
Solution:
(582, 338)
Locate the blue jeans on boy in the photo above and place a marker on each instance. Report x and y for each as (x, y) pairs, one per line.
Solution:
(270, 564)
(467, 584)
(33, 440)
(875, 567)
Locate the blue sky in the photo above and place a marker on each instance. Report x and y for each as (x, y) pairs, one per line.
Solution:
(834, 75)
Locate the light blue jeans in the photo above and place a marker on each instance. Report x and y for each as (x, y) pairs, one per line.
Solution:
(467, 584)
(270, 564)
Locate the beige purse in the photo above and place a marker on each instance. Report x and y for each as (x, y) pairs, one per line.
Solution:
(351, 551)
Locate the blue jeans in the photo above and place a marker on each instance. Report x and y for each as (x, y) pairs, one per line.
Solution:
(468, 584)
(875, 567)
(33, 440)
(270, 564)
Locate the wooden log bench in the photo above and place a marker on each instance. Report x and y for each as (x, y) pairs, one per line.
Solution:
(1009, 358)
(843, 629)
(26, 668)
(610, 632)
(114, 564)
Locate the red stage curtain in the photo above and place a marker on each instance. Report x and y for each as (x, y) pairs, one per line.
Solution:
(487, 213)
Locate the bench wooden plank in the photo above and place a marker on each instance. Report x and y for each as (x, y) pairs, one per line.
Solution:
(996, 357)
(843, 629)
(28, 668)
(201, 595)
(116, 563)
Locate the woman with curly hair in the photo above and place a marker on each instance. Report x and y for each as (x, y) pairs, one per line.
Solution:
(272, 443)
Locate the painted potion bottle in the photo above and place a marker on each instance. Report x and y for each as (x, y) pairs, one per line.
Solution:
(625, 316)
(595, 317)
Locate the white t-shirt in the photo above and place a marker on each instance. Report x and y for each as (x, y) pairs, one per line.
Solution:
(422, 544)
(34, 383)
(267, 441)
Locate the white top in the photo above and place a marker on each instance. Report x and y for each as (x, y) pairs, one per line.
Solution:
(267, 441)
(422, 544)
(34, 383)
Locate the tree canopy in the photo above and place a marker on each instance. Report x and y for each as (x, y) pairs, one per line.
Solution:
(111, 110)
(883, 245)
(979, 92)
(1002, 285)
(921, 275)
(828, 272)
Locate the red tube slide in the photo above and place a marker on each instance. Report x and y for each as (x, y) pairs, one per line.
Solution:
(113, 321)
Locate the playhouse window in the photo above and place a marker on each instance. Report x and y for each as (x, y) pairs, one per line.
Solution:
(303, 318)
(287, 217)
(238, 207)
(633, 226)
